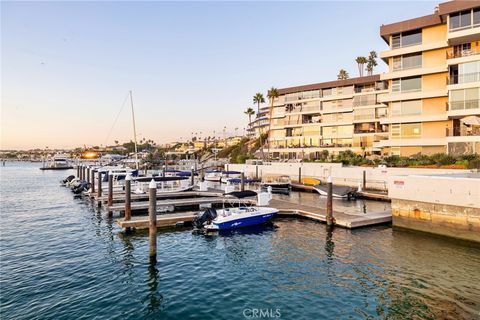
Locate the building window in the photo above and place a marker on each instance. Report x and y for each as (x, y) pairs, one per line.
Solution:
(406, 131)
(406, 108)
(464, 99)
(465, 73)
(408, 38)
(464, 19)
(407, 84)
(411, 130)
(407, 61)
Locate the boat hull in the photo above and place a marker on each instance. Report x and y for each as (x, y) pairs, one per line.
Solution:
(337, 191)
(243, 222)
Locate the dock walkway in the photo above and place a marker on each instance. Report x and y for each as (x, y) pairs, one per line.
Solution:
(286, 208)
(348, 221)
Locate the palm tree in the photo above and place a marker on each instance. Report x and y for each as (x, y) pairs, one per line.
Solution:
(371, 62)
(360, 61)
(342, 75)
(249, 112)
(258, 98)
(272, 95)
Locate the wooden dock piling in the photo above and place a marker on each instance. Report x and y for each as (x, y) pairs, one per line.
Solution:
(364, 180)
(299, 174)
(329, 216)
(88, 174)
(242, 181)
(110, 191)
(84, 169)
(152, 228)
(193, 176)
(78, 171)
(99, 185)
(128, 198)
(93, 181)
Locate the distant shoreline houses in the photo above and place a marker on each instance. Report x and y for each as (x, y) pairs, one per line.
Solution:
(427, 102)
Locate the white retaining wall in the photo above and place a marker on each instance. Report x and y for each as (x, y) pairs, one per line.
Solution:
(459, 190)
(376, 177)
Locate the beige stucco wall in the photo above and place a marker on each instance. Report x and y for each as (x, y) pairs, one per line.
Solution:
(435, 129)
(434, 82)
(434, 105)
(434, 34)
(434, 58)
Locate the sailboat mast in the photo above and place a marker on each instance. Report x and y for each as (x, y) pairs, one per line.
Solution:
(134, 131)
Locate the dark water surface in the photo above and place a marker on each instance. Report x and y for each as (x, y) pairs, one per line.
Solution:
(63, 259)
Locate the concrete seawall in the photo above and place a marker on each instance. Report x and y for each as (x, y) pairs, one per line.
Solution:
(440, 204)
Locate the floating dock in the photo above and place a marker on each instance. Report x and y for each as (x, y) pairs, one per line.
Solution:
(348, 221)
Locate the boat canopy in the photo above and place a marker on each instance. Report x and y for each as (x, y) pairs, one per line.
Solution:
(231, 172)
(159, 179)
(186, 174)
(242, 194)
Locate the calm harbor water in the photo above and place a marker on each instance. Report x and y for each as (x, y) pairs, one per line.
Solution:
(63, 259)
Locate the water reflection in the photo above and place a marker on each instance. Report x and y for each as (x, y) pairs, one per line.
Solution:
(329, 244)
(153, 299)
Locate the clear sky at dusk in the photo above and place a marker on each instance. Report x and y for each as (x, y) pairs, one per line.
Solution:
(193, 66)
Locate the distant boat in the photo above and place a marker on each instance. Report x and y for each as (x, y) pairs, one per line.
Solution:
(58, 162)
(337, 191)
(214, 176)
(310, 181)
(226, 175)
(164, 184)
(278, 183)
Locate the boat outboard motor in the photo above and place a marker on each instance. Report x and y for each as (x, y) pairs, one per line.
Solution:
(68, 179)
(81, 187)
(207, 216)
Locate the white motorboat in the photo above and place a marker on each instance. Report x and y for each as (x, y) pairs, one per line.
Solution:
(58, 162)
(214, 176)
(163, 184)
(235, 217)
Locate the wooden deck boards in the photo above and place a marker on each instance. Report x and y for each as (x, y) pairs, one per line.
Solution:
(163, 220)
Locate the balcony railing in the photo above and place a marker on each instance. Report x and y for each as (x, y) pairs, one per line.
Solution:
(306, 121)
(464, 78)
(463, 105)
(369, 131)
(463, 131)
(461, 53)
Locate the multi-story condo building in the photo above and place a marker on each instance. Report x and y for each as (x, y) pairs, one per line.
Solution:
(434, 82)
(259, 125)
(334, 116)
